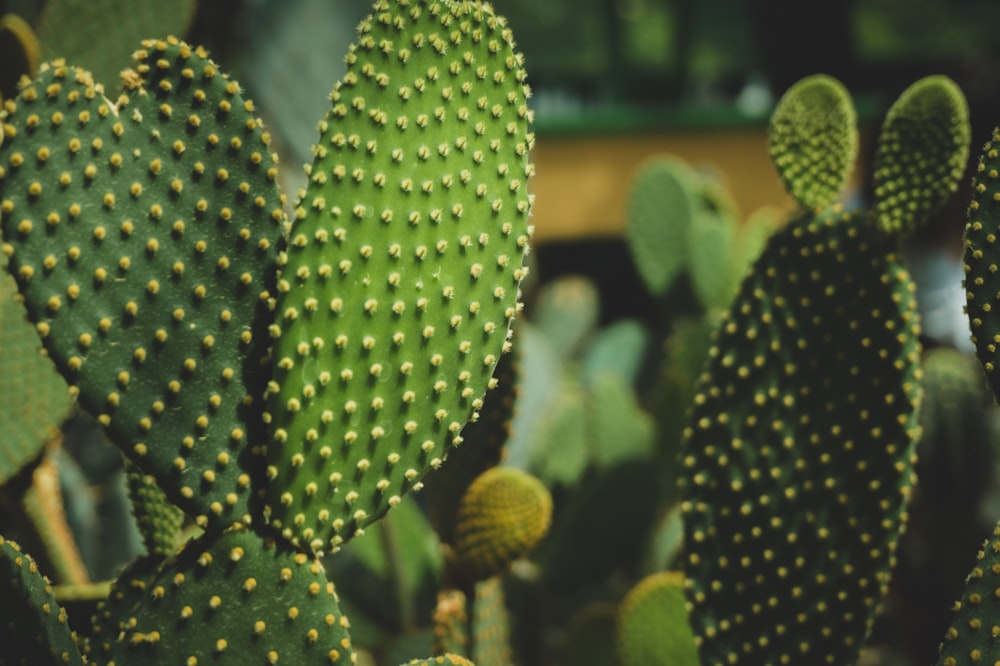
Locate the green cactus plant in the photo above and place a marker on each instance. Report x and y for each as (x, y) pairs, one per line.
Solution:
(921, 154)
(385, 284)
(503, 515)
(33, 626)
(652, 626)
(813, 140)
(805, 419)
(283, 383)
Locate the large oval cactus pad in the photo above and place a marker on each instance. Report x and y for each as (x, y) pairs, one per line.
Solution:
(403, 266)
(143, 234)
(799, 450)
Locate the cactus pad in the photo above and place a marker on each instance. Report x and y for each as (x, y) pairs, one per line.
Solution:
(652, 626)
(972, 636)
(921, 153)
(33, 627)
(659, 212)
(236, 598)
(813, 140)
(159, 521)
(798, 454)
(29, 417)
(982, 258)
(504, 514)
(143, 234)
(403, 266)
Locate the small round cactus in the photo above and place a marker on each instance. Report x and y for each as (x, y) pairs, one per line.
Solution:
(504, 514)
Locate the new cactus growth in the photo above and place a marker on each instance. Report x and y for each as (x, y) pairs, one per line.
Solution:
(922, 153)
(813, 140)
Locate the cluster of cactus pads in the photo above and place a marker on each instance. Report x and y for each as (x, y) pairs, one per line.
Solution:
(283, 382)
(798, 455)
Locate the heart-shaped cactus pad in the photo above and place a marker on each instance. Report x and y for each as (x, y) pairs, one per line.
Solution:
(143, 233)
(403, 265)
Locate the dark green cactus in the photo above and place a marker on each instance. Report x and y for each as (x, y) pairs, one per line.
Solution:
(982, 278)
(652, 626)
(813, 140)
(786, 451)
(972, 637)
(403, 267)
(799, 451)
(33, 627)
(143, 235)
(236, 598)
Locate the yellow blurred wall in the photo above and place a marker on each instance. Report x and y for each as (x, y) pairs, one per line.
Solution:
(582, 182)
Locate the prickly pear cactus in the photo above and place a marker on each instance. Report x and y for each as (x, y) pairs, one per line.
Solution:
(813, 140)
(33, 626)
(143, 232)
(971, 638)
(981, 258)
(799, 448)
(921, 154)
(403, 265)
(236, 598)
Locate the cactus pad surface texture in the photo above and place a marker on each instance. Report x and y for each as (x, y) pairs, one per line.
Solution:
(403, 266)
(813, 140)
(798, 454)
(142, 232)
